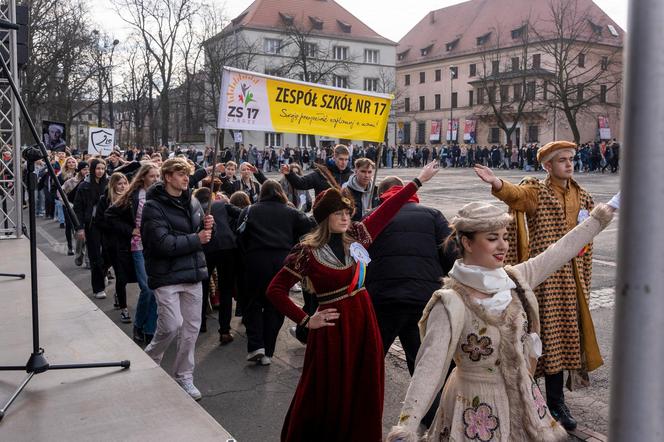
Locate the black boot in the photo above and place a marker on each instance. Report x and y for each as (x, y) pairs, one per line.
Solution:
(561, 413)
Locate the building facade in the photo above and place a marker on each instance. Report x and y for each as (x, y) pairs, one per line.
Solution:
(493, 66)
(310, 40)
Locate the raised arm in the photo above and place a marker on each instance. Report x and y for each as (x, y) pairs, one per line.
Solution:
(519, 198)
(537, 269)
(305, 182)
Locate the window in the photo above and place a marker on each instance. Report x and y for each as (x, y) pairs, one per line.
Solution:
(451, 45)
(421, 132)
(437, 74)
(545, 90)
(602, 93)
(422, 103)
(494, 135)
(582, 60)
(533, 134)
(480, 96)
(273, 72)
(537, 61)
(515, 64)
(371, 56)
(345, 27)
(340, 52)
(273, 139)
(272, 46)
(287, 19)
(406, 80)
(517, 92)
(426, 51)
(579, 92)
(304, 140)
(454, 100)
(530, 90)
(422, 77)
(605, 63)
(371, 84)
(504, 93)
(597, 29)
(454, 72)
(472, 70)
(482, 39)
(436, 100)
(406, 104)
(612, 30)
(340, 81)
(518, 33)
(495, 67)
(406, 133)
(316, 23)
(470, 98)
(311, 50)
(491, 94)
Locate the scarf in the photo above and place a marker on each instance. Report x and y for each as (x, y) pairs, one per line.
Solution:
(494, 282)
(395, 189)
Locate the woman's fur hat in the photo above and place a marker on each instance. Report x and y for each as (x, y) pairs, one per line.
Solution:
(331, 200)
(480, 217)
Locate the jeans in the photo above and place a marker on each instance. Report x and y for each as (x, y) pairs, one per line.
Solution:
(39, 194)
(59, 211)
(145, 318)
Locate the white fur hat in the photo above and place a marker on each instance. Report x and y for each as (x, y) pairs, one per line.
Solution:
(480, 217)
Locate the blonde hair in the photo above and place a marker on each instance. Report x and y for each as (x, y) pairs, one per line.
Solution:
(113, 196)
(137, 183)
(174, 165)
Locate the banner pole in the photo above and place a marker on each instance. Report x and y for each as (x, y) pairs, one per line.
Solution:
(219, 138)
(379, 157)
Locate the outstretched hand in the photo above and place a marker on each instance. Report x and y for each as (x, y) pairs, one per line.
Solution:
(488, 176)
(323, 318)
(429, 171)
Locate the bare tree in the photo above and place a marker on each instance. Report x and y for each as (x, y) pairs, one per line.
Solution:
(507, 78)
(160, 24)
(134, 90)
(582, 73)
(308, 58)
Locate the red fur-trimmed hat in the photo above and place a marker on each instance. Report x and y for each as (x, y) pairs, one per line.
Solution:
(331, 200)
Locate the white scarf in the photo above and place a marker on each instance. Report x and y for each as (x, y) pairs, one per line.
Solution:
(495, 282)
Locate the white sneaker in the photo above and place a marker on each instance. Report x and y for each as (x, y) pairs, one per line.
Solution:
(100, 295)
(256, 355)
(265, 360)
(188, 386)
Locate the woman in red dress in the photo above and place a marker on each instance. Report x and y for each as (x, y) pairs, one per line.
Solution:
(340, 394)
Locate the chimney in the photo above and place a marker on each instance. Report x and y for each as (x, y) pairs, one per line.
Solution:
(432, 17)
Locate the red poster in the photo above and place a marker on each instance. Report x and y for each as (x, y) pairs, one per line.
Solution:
(435, 131)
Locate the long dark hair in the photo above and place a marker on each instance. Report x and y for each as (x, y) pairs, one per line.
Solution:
(272, 191)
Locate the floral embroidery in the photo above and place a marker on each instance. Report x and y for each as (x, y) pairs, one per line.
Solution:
(540, 403)
(477, 347)
(480, 423)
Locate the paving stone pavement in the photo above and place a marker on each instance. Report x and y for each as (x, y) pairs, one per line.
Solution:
(251, 401)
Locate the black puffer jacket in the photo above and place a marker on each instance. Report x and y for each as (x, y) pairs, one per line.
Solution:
(224, 215)
(315, 180)
(87, 197)
(405, 266)
(169, 231)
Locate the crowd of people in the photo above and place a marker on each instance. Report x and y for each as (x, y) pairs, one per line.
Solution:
(595, 157)
(192, 232)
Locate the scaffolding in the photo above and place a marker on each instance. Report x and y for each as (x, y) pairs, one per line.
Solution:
(11, 184)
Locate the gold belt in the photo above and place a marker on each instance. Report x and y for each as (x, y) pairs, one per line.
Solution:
(336, 295)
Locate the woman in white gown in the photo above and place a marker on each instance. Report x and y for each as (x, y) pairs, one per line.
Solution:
(485, 318)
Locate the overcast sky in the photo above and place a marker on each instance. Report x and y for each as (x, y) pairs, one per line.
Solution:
(387, 17)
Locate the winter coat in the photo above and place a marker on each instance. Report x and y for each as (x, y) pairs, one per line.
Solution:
(169, 232)
(315, 180)
(87, 197)
(115, 240)
(405, 264)
(224, 215)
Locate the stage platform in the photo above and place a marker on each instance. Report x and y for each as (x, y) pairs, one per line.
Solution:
(142, 403)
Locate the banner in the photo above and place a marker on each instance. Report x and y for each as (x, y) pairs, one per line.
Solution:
(54, 135)
(436, 126)
(400, 132)
(452, 126)
(604, 129)
(469, 132)
(252, 101)
(100, 141)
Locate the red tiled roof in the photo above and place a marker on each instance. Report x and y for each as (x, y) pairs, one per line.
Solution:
(467, 21)
(272, 14)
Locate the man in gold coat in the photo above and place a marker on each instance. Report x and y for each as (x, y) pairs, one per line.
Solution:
(544, 211)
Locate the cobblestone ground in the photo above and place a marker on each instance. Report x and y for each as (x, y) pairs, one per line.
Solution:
(252, 401)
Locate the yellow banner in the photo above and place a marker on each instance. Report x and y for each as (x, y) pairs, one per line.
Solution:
(251, 101)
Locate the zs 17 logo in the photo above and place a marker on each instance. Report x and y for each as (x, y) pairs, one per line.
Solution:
(239, 112)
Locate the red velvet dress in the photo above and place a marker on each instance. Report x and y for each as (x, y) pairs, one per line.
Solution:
(340, 394)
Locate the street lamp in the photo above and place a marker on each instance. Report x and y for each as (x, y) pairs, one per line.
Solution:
(104, 77)
(451, 124)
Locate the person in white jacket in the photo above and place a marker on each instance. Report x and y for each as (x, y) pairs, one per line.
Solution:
(485, 318)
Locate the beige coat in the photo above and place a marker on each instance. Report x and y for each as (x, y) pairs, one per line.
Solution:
(491, 395)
